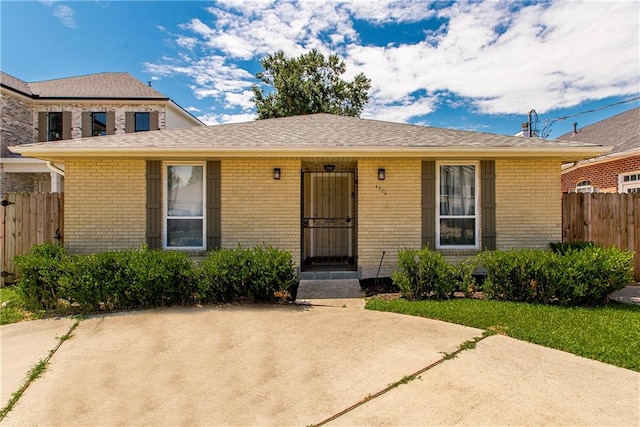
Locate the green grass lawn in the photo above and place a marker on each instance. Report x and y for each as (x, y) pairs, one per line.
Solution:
(13, 308)
(609, 334)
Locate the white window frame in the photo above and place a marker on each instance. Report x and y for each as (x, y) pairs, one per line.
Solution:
(582, 187)
(165, 199)
(476, 165)
(624, 187)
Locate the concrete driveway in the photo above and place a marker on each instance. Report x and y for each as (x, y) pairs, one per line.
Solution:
(293, 365)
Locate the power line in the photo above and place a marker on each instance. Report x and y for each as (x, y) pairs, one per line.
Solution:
(547, 128)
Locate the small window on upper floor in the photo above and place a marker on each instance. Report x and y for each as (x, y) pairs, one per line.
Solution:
(142, 122)
(98, 124)
(54, 126)
(585, 187)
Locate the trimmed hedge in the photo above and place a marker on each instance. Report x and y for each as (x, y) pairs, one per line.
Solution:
(51, 279)
(576, 275)
(258, 274)
(424, 274)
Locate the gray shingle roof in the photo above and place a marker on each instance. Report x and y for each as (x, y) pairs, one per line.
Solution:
(622, 132)
(14, 83)
(318, 133)
(100, 86)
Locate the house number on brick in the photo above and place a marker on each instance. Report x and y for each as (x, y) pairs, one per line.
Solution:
(381, 190)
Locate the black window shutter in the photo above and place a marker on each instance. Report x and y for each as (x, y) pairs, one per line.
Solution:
(86, 124)
(488, 204)
(111, 122)
(66, 125)
(154, 204)
(429, 204)
(213, 205)
(42, 126)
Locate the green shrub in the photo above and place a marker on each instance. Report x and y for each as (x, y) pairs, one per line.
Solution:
(40, 271)
(50, 279)
(575, 277)
(519, 275)
(587, 277)
(129, 279)
(424, 274)
(564, 247)
(245, 275)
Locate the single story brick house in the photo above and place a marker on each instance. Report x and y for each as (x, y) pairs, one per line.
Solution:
(335, 191)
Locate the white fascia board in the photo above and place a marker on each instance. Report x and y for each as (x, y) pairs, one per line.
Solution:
(51, 152)
(23, 165)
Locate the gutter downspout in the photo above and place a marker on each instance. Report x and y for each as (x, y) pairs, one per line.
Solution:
(55, 169)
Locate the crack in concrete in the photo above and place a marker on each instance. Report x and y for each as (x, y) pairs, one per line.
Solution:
(35, 372)
(466, 345)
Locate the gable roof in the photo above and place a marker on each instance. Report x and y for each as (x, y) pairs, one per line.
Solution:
(621, 132)
(7, 80)
(90, 86)
(310, 136)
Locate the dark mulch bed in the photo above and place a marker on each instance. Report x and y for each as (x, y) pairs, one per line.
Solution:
(376, 286)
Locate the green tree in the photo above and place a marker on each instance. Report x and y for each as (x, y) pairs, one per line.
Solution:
(308, 84)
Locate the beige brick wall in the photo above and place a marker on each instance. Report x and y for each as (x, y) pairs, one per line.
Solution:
(388, 212)
(257, 209)
(528, 203)
(104, 205)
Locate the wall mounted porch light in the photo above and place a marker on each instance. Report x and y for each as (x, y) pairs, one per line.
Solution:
(381, 174)
(276, 173)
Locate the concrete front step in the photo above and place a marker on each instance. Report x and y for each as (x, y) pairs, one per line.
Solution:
(328, 289)
(329, 275)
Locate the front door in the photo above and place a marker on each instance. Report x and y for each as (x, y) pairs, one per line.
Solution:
(329, 219)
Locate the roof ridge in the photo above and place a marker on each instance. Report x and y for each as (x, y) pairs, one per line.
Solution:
(81, 75)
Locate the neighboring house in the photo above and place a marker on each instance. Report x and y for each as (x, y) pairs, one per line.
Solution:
(335, 191)
(615, 172)
(70, 108)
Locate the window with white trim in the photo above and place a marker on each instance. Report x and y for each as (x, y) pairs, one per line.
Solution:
(184, 190)
(457, 201)
(629, 182)
(585, 187)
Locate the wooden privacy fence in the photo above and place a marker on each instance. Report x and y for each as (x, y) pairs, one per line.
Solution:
(609, 219)
(28, 219)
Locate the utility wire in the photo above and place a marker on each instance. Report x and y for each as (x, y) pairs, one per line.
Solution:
(547, 128)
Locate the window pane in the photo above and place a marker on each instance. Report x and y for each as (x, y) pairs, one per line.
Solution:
(184, 233)
(98, 124)
(457, 190)
(142, 122)
(458, 231)
(184, 191)
(54, 126)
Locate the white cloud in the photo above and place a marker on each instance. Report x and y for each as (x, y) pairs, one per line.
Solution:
(64, 13)
(219, 119)
(193, 109)
(501, 57)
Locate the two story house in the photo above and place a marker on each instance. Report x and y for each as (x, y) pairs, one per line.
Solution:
(71, 108)
(618, 171)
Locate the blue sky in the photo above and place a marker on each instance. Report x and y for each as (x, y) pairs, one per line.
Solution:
(465, 65)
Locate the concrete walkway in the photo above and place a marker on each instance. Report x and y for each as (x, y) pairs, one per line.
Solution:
(300, 365)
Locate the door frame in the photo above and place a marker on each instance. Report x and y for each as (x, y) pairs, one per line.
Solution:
(310, 260)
